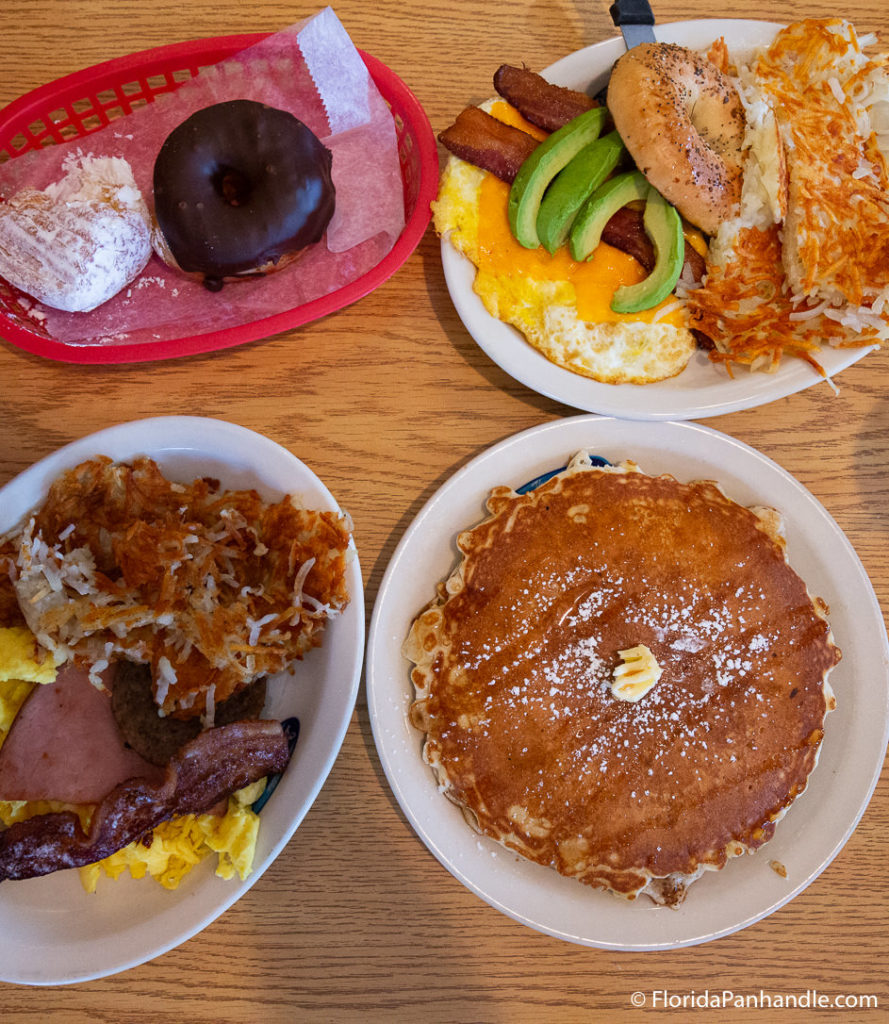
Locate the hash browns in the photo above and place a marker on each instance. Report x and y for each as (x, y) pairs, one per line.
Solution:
(807, 262)
(211, 588)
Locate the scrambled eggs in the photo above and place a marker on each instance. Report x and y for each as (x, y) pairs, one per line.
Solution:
(177, 845)
(174, 848)
(21, 657)
(561, 306)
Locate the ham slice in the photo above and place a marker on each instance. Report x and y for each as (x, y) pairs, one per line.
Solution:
(65, 745)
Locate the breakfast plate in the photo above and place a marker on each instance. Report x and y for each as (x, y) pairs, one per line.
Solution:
(702, 389)
(815, 828)
(53, 931)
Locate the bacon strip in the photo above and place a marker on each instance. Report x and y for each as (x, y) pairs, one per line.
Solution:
(538, 101)
(208, 768)
(481, 139)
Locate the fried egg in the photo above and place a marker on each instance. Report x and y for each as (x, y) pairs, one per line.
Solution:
(562, 307)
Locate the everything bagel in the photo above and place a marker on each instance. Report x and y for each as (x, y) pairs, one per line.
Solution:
(240, 188)
(683, 123)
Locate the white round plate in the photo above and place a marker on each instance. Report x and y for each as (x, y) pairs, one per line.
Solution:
(702, 389)
(814, 829)
(53, 931)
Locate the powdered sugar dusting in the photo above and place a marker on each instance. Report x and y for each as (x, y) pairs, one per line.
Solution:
(523, 723)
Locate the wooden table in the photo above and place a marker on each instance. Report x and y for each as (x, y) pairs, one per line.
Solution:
(356, 920)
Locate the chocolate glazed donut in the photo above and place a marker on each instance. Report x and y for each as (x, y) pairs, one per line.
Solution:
(240, 188)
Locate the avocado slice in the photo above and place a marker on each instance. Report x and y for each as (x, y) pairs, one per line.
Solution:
(542, 166)
(573, 185)
(586, 231)
(663, 225)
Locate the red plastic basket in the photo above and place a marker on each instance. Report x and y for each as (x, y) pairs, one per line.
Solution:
(88, 100)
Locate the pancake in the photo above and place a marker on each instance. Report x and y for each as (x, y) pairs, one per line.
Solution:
(527, 726)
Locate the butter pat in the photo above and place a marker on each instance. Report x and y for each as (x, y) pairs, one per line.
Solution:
(636, 674)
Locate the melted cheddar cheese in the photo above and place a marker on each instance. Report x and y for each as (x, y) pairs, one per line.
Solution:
(594, 281)
(562, 307)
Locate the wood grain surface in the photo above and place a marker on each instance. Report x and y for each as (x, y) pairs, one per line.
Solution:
(356, 920)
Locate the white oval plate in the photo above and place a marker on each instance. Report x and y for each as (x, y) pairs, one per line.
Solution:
(813, 831)
(702, 389)
(53, 931)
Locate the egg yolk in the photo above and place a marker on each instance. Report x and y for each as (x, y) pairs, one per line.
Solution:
(594, 280)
